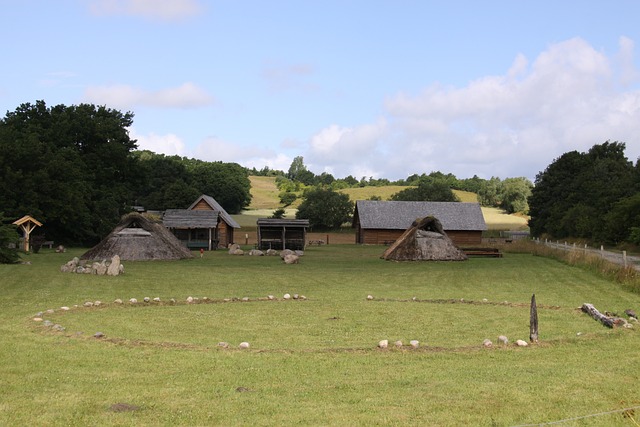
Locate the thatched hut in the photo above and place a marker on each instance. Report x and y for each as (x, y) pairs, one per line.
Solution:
(425, 240)
(137, 238)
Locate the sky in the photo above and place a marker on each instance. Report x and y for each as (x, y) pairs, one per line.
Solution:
(367, 88)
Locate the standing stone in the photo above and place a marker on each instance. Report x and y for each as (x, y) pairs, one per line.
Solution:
(114, 267)
(383, 343)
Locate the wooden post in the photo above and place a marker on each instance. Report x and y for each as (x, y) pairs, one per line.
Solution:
(327, 239)
(533, 320)
(624, 258)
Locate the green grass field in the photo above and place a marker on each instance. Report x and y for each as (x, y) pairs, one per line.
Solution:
(313, 361)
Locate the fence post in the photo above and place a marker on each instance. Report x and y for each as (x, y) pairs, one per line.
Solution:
(533, 320)
(624, 258)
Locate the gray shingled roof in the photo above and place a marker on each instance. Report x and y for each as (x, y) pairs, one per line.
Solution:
(184, 218)
(216, 207)
(277, 222)
(393, 215)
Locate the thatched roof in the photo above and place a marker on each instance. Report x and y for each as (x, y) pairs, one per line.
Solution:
(399, 215)
(136, 238)
(424, 240)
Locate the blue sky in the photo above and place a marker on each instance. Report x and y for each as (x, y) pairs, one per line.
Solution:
(371, 88)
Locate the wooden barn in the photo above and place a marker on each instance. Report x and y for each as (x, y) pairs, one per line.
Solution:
(280, 234)
(382, 222)
(205, 224)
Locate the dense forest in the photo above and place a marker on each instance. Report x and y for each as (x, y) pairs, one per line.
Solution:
(76, 169)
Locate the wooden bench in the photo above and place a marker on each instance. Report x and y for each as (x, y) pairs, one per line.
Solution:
(482, 252)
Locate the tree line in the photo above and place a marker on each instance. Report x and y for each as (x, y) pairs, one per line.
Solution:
(593, 196)
(76, 169)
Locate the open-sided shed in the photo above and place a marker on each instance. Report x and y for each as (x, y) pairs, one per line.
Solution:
(279, 234)
(382, 222)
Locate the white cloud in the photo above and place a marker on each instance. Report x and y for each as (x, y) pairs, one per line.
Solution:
(187, 95)
(164, 10)
(215, 149)
(168, 144)
(508, 125)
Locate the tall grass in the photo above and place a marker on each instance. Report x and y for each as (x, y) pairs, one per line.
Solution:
(628, 276)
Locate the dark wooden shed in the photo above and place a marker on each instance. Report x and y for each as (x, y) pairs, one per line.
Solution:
(282, 233)
(382, 222)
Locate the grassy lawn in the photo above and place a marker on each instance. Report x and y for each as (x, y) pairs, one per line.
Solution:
(313, 361)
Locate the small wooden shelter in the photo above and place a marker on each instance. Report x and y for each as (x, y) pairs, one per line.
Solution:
(27, 224)
(205, 224)
(137, 238)
(280, 234)
(424, 240)
(382, 222)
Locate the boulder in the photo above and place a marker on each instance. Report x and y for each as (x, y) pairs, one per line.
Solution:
(291, 259)
(114, 267)
(256, 252)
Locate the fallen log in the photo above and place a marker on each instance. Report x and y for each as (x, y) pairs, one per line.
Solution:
(593, 312)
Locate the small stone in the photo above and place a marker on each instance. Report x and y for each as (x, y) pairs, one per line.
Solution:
(226, 300)
(39, 314)
(271, 297)
(485, 300)
(47, 323)
(156, 299)
(59, 328)
(88, 304)
(627, 325)
(205, 299)
(296, 296)
(579, 333)
(133, 301)
(146, 299)
(65, 308)
(189, 300)
(521, 343)
(117, 301)
(223, 344)
(172, 301)
(50, 311)
(286, 296)
(414, 299)
(38, 319)
(98, 335)
(245, 299)
(244, 345)
(414, 343)
(504, 340)
(302, 297)
(398, 343)
(97, 303)
(369, 297)
(487, 343)
(383, 343)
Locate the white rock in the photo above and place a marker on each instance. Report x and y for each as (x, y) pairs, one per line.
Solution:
(271, 297)
(414, 343)
(133, 301)
(369, 297)
(487, 343)
(97, 303)
(521, 343)
(503, 339)
(117, 301)
(302, 297)
(244, 344)
(156, 299)
(65, 308)
(38, 319)
(146, 299)
(223, 344)
(189, 300)
(398, 343)
(245, 299)
(383, 343)
(88, 304)
(286, 296)
(485, 300)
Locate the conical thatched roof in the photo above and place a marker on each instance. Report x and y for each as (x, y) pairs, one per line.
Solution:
(424, 240)
(136, 238)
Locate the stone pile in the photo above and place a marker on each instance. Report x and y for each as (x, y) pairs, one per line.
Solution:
(108, 268)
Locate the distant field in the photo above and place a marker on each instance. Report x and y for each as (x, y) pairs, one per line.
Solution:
(265, 200)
